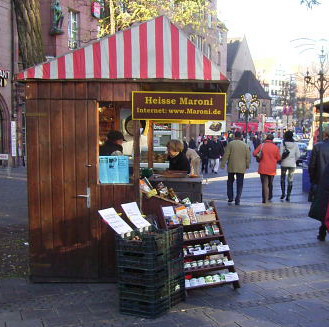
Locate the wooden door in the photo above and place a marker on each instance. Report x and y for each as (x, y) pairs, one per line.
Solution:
(62, 167)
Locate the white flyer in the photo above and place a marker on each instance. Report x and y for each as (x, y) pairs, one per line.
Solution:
(198, 207)
(134, 215)
(224, 247)
(168, 211)
(111, 217)
(231, 277)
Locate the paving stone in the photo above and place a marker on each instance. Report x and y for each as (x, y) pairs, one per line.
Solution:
(223, 317)
(38, 313)
(257, 323)
(15, 315)
(25, 323)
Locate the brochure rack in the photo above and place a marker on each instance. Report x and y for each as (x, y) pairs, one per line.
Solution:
(225, 268)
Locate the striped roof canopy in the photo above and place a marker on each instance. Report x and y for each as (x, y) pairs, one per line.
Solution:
(156, 49)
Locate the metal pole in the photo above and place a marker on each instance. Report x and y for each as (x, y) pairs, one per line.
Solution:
(247, 117)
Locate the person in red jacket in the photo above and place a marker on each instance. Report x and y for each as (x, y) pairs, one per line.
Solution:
(267, 165)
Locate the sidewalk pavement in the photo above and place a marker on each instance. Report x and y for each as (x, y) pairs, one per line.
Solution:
(284, 271)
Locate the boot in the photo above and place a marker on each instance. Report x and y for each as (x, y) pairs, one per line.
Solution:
(322, 233)
(283, 188)
(289, 191)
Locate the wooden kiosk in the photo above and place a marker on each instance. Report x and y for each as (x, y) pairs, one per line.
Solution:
(64, 97)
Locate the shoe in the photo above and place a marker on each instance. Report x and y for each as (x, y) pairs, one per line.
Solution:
(270, 198)
(282, 196)
(229, 201)
(263, 201)
(215, 172)
(237, 203)
(321, 238)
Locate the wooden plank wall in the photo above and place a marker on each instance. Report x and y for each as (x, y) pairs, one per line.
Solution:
(67, 240)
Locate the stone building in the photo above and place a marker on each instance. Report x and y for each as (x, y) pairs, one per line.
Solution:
(8, 67)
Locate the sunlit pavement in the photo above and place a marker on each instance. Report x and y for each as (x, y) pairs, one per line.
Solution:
(284, 271)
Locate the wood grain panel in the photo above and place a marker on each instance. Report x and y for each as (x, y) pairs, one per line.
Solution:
(130, 87)
(45, 174)
(93, 90)
(68, 90)
(31, 91)
(106, 91)
(44, 90)
(56, 90)
(94, 223)
(69, 159)
(81, 90)
(33, 157)
(119, 92)
(57, 171)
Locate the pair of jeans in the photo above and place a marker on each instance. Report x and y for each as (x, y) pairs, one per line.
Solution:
(214, 163)
(239, 186)
(267, 187)
(205, 163)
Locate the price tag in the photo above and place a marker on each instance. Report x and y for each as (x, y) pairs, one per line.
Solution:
(231, 277)
(223, 247)
(228, 263)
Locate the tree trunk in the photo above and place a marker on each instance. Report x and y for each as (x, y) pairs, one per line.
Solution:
(29, 32)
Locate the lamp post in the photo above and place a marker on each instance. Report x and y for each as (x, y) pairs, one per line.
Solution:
(321, 84)
(248, 106)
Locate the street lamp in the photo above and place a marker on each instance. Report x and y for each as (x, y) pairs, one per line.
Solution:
(321, 84)
(248, 106)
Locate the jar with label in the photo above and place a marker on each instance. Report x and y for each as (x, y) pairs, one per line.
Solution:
(194, 264)
(187, 265)
(202, 233)
(207, 247)
(200, 263)
(206, 262)
(209, 279)
(196, 234)
(185, 236)
(193, 282)
(208, 230)
(215, 228)
(213, 262)
(185, 251)
(190, 235)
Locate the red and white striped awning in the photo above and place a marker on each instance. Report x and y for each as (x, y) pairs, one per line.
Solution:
(156, 49)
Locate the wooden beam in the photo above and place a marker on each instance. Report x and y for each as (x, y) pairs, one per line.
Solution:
(137, 159)
(150, 145)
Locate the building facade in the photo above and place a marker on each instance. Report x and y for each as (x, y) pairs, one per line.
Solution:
(8, 67)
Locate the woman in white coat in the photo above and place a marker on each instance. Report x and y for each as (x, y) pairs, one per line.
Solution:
(288, 165)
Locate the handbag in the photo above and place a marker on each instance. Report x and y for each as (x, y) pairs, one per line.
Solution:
(259, 155)
(285, 152)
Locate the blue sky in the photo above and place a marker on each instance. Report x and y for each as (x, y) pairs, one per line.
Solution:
(271, 25)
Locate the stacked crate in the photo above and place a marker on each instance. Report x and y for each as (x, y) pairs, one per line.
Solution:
(150, 272)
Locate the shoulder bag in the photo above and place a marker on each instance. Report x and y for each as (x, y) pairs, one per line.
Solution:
(259, 155)
(285, 152)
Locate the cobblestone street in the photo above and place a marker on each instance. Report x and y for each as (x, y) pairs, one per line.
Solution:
(283, 268)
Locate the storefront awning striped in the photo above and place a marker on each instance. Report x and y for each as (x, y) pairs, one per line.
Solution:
(156, 49)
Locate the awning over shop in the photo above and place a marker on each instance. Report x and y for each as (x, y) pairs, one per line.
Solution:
(253, 127)
(156, 49)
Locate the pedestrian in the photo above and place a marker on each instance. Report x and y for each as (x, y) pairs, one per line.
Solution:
(185, 142)
(192, 144)
(113, 144)
(237, 157)
(267, 166)
(204, 155)
(320, 206)
(288, 163)
(176, 156)
(256, 141)
(319, 159)
(216, 151)
(194, 160)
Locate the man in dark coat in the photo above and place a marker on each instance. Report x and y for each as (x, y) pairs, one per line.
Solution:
(319, 160)
(204, 155)
(192, 144)
(216, 151)
(113, 144)
(319, 206)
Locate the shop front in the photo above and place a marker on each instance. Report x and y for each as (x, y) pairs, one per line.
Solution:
(71, 103)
